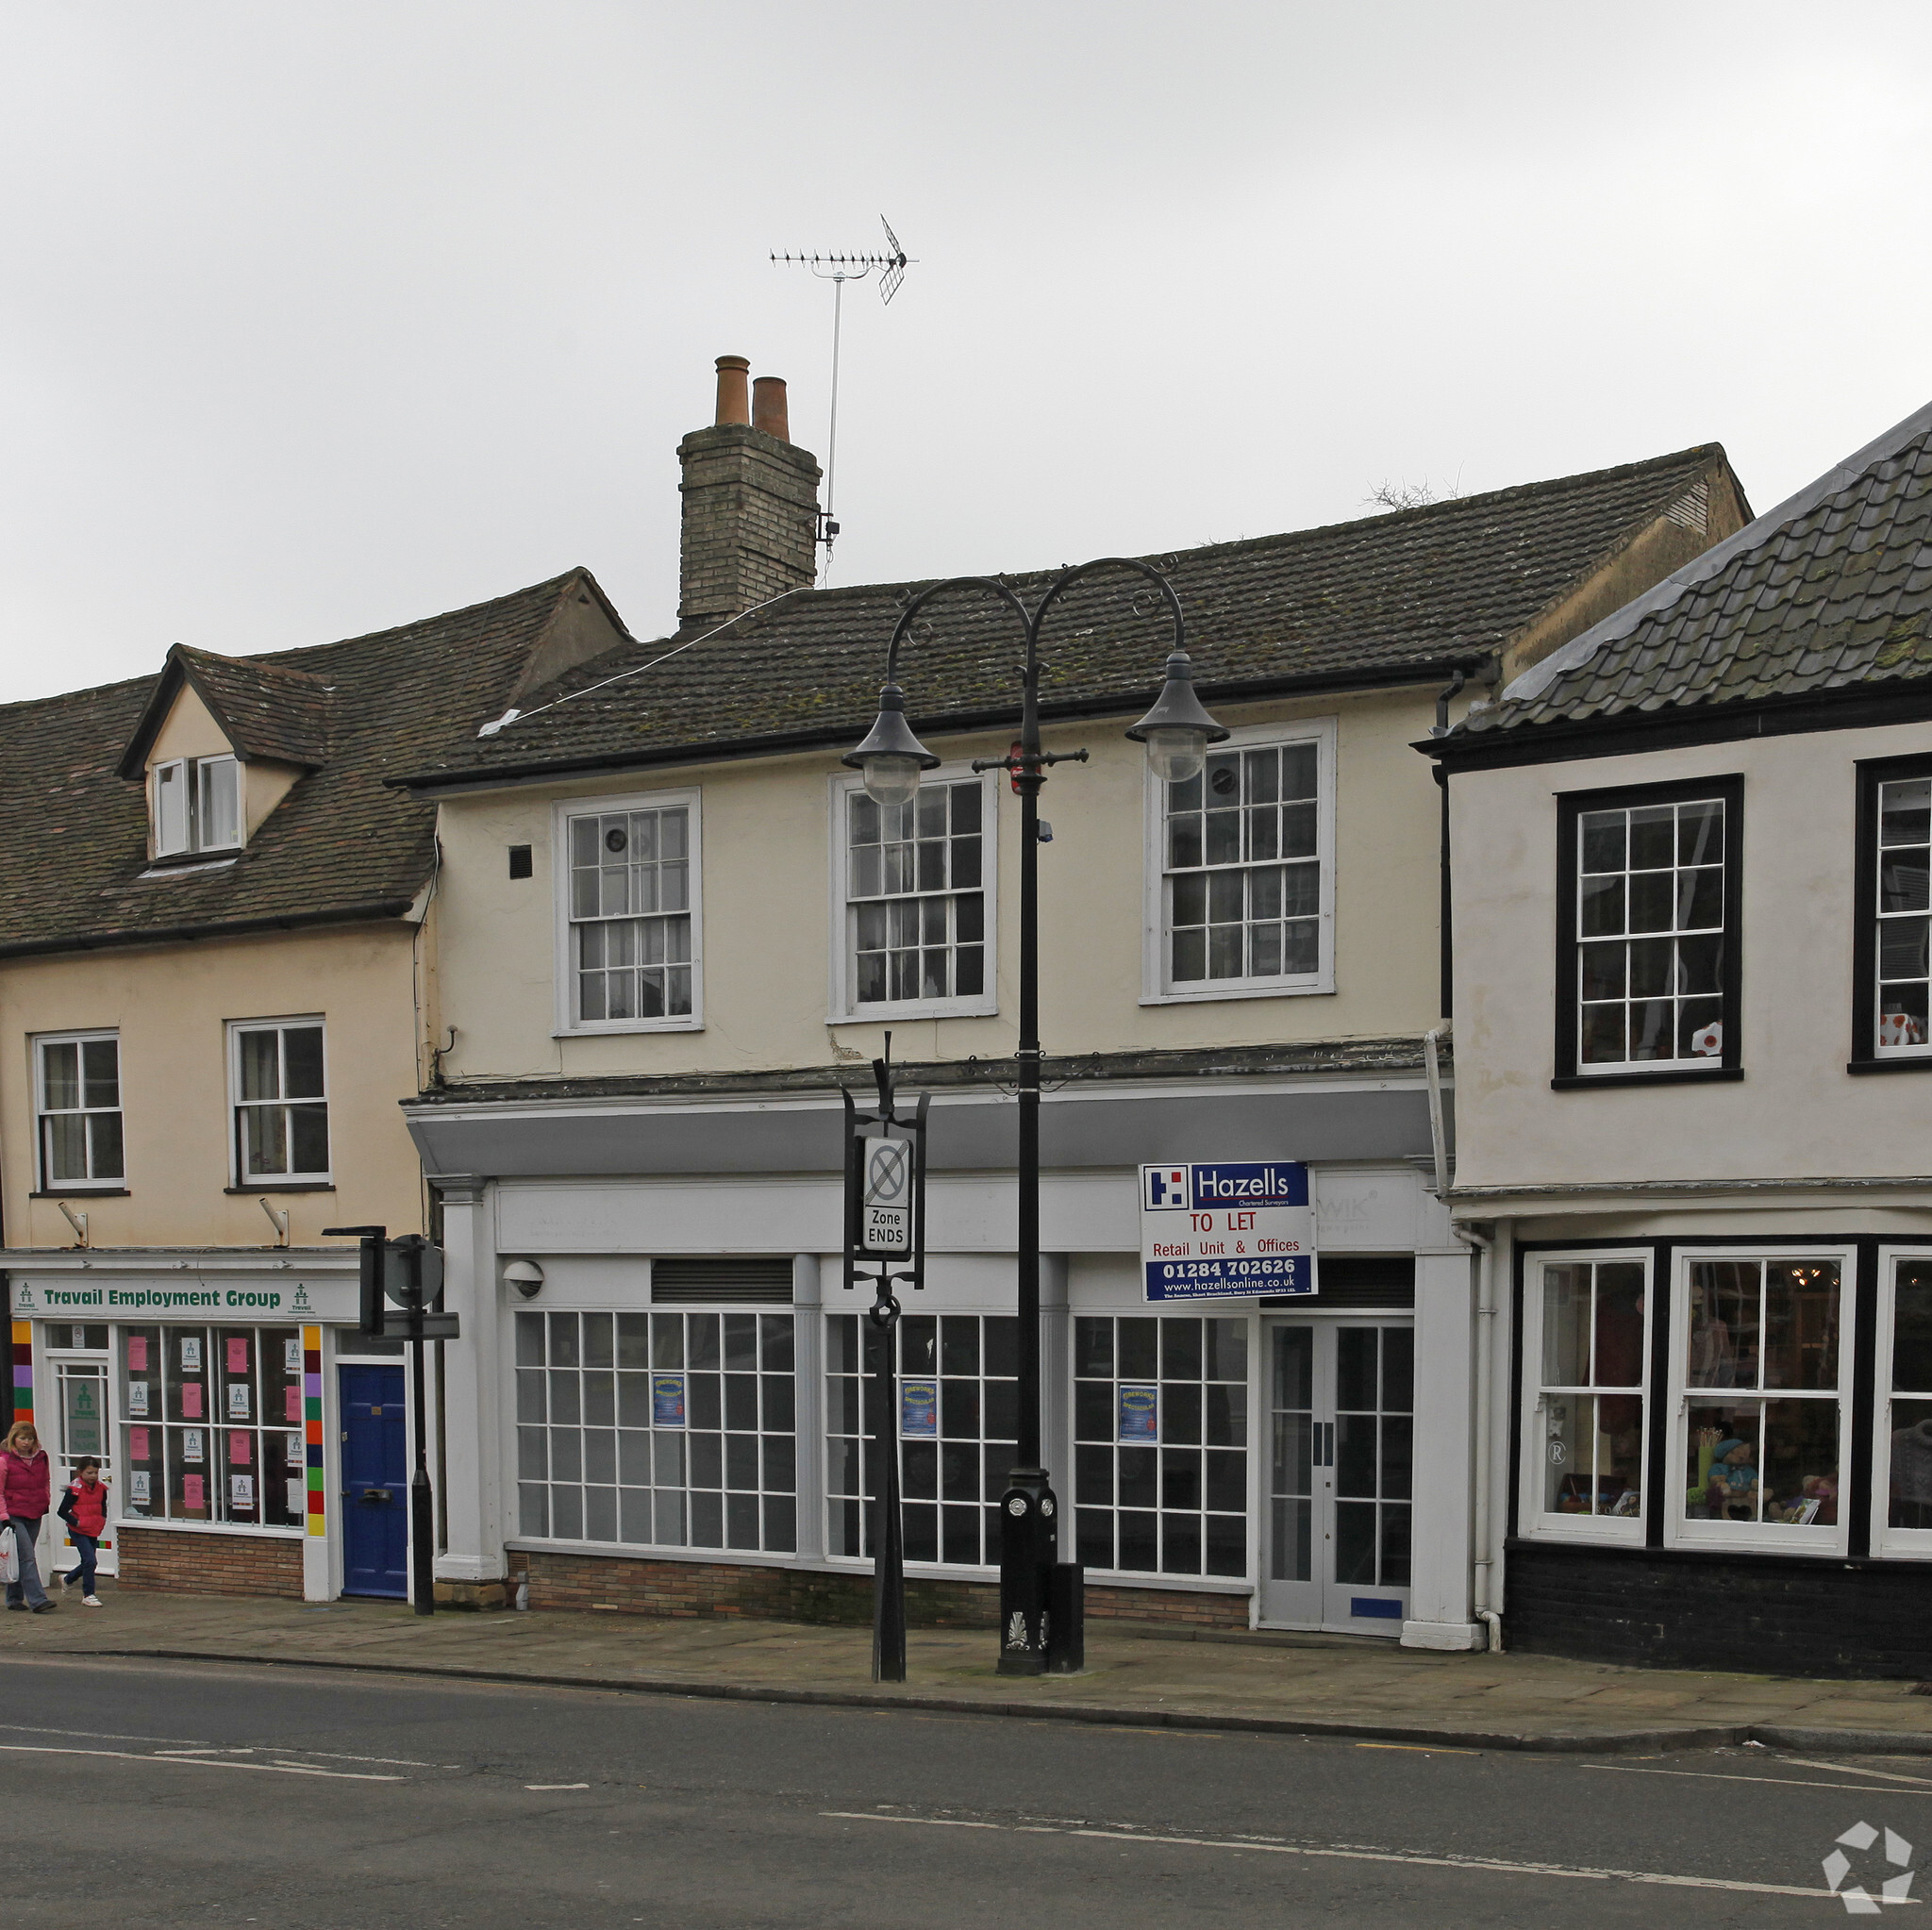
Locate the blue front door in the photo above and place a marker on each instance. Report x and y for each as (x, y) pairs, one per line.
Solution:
(375, 1483)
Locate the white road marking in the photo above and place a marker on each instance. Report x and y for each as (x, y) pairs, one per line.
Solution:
(1845, 1769)
(1491, 1864)
(539, 1786)
(399, 1761)
(1621, 1768)
(196, 1762)
(98, 1734)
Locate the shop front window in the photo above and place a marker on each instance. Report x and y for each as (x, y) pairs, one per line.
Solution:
(957, 1427)
(1160, 1434)
(1763, 1364)
(1585, 1450)
(210, 1422)
(663, 1429)
(1904, 1422)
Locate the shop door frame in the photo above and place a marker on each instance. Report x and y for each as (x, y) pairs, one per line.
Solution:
(57, 1550)
(1322, 1601)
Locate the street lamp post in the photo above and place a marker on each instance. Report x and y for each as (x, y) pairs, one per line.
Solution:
(1176, 733)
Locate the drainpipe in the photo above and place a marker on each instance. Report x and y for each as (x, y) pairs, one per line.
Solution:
(1484, 1247)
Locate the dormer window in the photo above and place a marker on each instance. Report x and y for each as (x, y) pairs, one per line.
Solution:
(198, 806)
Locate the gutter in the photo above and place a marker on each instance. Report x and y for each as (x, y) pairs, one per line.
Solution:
(238, 927)
(950, 724)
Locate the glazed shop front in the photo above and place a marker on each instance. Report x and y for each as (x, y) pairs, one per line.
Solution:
(252, 1440)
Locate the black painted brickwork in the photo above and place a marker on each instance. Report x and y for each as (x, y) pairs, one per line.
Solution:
(1762, 1616)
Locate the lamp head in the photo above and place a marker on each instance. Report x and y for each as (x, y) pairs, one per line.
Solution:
(891, 758)
(1178, 729)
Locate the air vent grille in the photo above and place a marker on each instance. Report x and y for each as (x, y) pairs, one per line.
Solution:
(754, 1280)
(1352, 1280)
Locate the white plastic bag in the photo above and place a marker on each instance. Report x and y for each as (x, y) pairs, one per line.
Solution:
(10, 1555)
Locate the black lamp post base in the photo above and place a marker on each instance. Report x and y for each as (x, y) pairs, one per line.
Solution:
(1029, 1538)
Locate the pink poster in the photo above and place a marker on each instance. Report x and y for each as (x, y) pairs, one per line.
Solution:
(137, 1353)
(191, 1497)
(293, 1403)
(191, 1400)
(137, 1444)
(238, 1357)
(239, 1451)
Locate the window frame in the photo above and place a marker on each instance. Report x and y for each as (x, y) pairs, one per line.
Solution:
(567, 1024)
(1866, 1055)
(1758, 1538)
(193, 844)
(1570, 807)
(1536, 1521)
(240, 1179)
(844, 1008)
(1158, 987)
(1900, 1544)
(39, 1041)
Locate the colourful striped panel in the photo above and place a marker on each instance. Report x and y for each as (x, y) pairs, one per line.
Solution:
(312, 1428)
(22, 1370)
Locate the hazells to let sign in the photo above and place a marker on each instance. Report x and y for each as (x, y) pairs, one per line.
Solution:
(1227, 1229)
(885, 1200)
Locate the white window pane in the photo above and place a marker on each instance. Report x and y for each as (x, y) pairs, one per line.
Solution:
(260, 1063)
(104, 1146)
(66, 1148)
(60, 1075)
(100, 1063)
(171, 809)
(217, 803)
(264, 1140)
(302, 1062)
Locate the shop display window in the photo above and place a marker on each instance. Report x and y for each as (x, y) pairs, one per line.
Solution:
(1762, 1364)
(1904, 1433)
(958, 1424)
(1589, 1331)
(211, 1424)
(1160, 1434)
(663, 1429)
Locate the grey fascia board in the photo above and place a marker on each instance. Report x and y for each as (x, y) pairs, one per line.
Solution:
(1620, 623)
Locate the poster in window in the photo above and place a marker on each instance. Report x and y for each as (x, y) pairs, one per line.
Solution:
(137, 1353)
(190, 1444)
(918, 1409)
(292, 1404)
(242, 1493)
(667, 1400)
(191, 1353)
(191, 1400)
(238, 1356)
(240, 1448)
(291, 1356)
(293, 1450)
(137, 1397)
(137, 1444)
(298, 1497)
(194, 1493)
(1139, 1413)
(237, 1400)
(138, 1487)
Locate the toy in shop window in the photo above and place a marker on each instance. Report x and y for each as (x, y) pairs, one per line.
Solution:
(1708, 1042)
(1730, 1481)
(1898, 1028)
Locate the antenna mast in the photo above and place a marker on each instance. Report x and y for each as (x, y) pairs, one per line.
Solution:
(839, 270)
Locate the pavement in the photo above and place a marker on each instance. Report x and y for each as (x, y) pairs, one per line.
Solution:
(1141, 1676)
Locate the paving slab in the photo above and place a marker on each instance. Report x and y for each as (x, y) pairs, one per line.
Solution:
(1357, 1687)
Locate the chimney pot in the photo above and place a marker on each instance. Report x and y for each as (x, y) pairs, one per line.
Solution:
(734, 403)
(768, 411)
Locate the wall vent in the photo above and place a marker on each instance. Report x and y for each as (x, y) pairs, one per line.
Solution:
(744, 1280)
(1352, 1280)
(1691, 510)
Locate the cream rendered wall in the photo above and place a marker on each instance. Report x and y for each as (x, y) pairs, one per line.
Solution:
(767, 914)
(1796, 1113)
(170, 1006)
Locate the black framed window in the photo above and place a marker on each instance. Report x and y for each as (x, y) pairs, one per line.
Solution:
(1647, 957)
(1892, 950)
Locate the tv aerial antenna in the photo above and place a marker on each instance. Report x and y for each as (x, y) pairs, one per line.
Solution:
(839, 270)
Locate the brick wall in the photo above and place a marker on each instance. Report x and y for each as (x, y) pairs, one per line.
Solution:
(640, 1587)
(750, 521)
(1763, 1615)
(184, 1563)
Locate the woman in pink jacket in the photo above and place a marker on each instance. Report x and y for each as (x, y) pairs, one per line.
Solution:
(25, 1494)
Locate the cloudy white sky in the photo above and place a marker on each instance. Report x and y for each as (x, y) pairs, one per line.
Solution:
(323, 316)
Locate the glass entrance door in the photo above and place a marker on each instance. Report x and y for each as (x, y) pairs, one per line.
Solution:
(1341, 1399)
(81, 1402)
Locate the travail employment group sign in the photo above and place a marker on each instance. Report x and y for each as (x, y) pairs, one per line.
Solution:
(1226, 1230)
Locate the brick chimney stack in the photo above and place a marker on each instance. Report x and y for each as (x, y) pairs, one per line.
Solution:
(751, 502)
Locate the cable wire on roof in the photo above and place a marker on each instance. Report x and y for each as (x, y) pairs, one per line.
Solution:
(513, 715)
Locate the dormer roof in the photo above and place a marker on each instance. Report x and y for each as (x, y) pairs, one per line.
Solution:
(264, 709)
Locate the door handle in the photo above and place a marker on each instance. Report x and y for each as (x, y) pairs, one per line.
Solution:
(373, 1495)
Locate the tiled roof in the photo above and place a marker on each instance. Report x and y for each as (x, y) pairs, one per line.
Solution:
(268, 710)
(1829, 591)
(1382, 600)
(342, 842)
